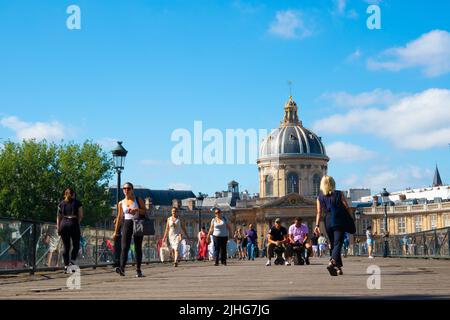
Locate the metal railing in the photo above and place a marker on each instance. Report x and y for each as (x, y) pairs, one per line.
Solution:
(31, 246)
(426, 244)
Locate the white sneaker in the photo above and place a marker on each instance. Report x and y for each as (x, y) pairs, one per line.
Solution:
(370, 257)
(268, 263)
(287, 263)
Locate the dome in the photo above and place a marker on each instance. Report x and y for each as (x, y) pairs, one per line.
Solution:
(292, 139)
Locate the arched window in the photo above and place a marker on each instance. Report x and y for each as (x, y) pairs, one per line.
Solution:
(268, 182)
(292, 183)
(316, 184)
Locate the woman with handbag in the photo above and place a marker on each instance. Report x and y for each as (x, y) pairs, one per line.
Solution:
(337, 220)
(130, 208)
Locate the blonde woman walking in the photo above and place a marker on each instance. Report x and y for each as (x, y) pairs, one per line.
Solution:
(327, 201)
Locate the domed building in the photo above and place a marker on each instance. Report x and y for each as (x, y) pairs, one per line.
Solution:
(291, 163)
(292, 158)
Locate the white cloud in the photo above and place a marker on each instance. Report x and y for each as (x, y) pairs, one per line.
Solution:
(430, 53)
(418, 122)
(290, 24)
(350, 181)
(355, 55)
(340, 9)
(375, 97)
(51, 131)
(340, 6)
(393, 179)
(180, 186)
(396, 179)
(107, 143)
(347, 152)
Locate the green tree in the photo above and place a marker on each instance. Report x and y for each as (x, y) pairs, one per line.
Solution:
(88, 170)
(34, 175)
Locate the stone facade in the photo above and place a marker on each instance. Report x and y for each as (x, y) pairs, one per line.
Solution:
(409, 218)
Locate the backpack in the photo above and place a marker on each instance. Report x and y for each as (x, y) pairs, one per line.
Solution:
(340, 218)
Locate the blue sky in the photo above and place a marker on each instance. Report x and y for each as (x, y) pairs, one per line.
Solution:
(138, 70)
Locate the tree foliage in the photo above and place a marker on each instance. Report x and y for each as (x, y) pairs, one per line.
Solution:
(34, 175)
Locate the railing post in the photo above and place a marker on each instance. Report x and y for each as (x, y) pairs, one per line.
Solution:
(34, 248)
(96, 247)
(148, 249)
(424, 244)
(436, 243)
(448, 241)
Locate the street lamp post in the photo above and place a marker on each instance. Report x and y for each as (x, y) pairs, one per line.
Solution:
(358, 226)
(385, 200)
(199, 207)
(119, 155)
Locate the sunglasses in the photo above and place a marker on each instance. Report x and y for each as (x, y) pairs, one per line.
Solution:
(126, 188)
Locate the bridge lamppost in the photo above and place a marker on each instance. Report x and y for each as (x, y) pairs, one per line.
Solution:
(119, 154)
(199, 207)
(358, 229)
(385, 201)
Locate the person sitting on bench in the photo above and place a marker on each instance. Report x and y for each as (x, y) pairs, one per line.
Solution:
(299, 241)
(278, 239)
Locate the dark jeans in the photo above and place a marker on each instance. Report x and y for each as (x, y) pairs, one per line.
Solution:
(336, 237)
(220, 248)
(127, 234)
(305, 253)
(271, 248)
(70, 230)
(117, 250)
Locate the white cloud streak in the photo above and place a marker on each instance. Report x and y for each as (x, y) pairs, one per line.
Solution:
(347, 152)
(290, 24)
(51, 131)
(430, 52)
(417, 122)
(378, 97)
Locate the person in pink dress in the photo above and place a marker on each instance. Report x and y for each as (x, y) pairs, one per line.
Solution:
(202, 244)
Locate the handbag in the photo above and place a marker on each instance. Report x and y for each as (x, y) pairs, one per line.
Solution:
(340, 217)
(143, 226)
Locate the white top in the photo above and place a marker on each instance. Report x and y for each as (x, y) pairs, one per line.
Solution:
(125, 208)
(369, 235)
(174, 227)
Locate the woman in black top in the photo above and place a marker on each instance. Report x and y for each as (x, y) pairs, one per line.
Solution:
(70, 214)
(325, 202)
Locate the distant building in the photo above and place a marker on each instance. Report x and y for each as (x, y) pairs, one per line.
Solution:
(225, 200)
(411, 210)
(291, 163)
(437, 181)
(357, 194)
